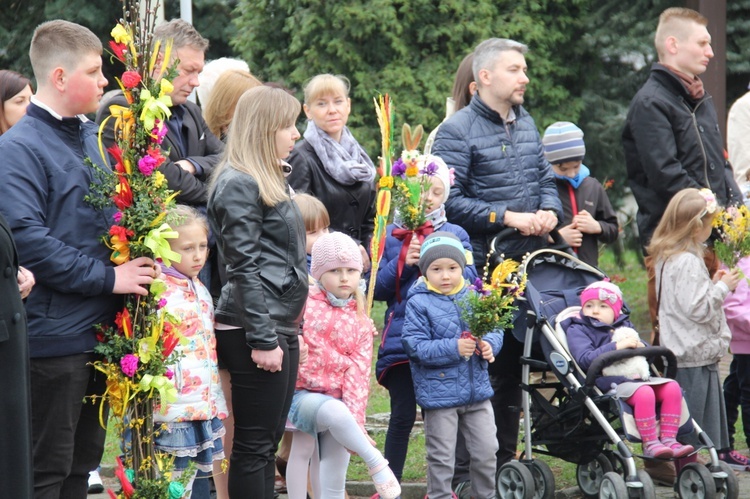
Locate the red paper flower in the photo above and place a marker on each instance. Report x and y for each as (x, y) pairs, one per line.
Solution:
(156, 154)
(124, 323)
(116, 153)
(124, 196)
(131, 79)
(118, 49)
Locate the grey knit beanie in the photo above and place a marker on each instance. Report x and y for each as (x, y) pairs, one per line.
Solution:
(563, 141)
(441, 244)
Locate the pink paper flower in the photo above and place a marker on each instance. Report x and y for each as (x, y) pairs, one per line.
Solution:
(169, 374)
(159, 131)
(129, 364)
(147, 165)
(117, 217)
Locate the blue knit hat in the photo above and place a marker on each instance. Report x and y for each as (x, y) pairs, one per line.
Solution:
(563, 142)
(441, 244)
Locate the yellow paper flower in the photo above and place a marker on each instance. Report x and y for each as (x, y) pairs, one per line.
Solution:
(154, 109)
(146, 348)
(120, 34)
(386, 182)
(412, 171)
(165, 88)
(158, 178)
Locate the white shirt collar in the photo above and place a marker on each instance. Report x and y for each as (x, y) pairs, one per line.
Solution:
(52, 112)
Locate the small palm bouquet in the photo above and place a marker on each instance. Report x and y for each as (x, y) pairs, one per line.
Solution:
(490, 307)
(412, 179)
(734, 235)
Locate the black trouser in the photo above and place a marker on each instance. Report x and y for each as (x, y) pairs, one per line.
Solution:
(505, 376)
(67, 437)
(260, 403)
(737, 393)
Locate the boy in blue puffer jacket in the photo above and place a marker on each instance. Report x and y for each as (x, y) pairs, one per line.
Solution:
(397, 272)
(451, 382)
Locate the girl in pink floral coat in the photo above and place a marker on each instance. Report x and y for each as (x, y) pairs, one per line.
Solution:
(329, 404)
(192, 425)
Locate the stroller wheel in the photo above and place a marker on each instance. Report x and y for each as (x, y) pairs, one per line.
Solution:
(589, 475)
(695, 482)
(617, 462)
(729, 487)
(613, 487)
(648, 491)
(514, 481)
(544, 480)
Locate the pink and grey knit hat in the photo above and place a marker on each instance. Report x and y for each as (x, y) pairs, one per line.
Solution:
(606, 292)
(332, 251)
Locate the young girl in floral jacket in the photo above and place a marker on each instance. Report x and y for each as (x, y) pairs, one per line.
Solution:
(192, 424)
(329, 404)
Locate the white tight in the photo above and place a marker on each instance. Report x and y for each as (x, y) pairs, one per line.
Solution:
(338, 433)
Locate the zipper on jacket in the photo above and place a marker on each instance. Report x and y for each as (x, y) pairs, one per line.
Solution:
(471, 369)
(700, 138)
(519, 163)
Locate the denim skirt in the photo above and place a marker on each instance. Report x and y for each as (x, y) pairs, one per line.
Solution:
(197, 441)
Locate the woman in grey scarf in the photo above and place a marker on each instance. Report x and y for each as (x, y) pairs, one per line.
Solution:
(331, 165)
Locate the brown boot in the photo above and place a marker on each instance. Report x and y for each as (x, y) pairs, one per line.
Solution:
(661, 472)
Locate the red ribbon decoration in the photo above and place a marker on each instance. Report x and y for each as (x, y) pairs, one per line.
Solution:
(406, 236)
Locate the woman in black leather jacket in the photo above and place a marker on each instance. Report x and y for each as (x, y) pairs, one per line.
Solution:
(261, 240)
(331, 165)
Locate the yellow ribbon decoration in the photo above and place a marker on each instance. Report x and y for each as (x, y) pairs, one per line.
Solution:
(156, 241)
(162, 384)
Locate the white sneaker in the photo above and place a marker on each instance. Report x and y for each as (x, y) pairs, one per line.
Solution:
(95, 483)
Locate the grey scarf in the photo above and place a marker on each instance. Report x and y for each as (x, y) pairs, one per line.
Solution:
(345, 161)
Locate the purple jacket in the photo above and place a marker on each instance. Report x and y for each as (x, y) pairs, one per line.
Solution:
(588, 339)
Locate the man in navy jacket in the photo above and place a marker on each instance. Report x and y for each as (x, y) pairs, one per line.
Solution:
(45, 180)
(502, 180)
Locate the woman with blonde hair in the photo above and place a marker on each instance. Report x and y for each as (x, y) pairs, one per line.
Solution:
(260, 238)
(227, 90)
(331, 165)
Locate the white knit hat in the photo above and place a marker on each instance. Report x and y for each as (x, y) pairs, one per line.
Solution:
(442, 172)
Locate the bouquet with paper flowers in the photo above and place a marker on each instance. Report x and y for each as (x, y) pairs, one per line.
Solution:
(412, 178)
(733, 226)
(490, 307)
(139, 348)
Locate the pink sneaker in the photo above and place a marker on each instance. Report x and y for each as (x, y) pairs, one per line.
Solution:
(735, 460)
(677, 448)
(657, 449)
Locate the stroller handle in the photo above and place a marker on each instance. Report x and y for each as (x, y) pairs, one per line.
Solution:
(650, 353)
(557, 240)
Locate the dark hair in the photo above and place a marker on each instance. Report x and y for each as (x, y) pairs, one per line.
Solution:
(464, 78)
(10, 84)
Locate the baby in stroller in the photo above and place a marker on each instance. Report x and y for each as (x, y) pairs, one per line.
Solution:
(590, 335)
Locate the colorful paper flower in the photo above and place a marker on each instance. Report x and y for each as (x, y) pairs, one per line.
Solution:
(129, 364)
(130, 79)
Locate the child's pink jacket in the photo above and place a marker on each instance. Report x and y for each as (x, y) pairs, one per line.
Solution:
(340, 352)
(737, 311)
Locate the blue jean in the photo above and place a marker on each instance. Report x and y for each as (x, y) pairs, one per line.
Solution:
(403, 415)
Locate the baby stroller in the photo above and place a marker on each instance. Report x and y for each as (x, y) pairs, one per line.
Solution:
(566, 416)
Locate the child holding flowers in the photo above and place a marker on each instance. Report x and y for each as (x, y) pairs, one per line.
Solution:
(449, 369)
(691, 319)
(328, 407)
(192, 428)
(397, 272)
